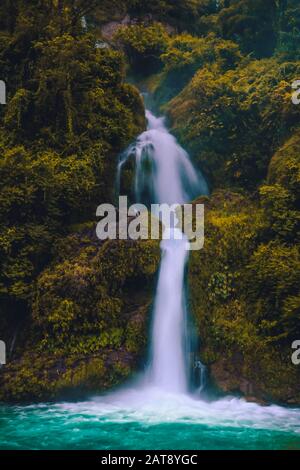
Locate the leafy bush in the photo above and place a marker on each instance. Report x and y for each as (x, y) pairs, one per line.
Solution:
(143, 45)
(233, 122)
(252, 23)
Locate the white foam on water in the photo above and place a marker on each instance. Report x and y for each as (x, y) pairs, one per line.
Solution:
(151, 405)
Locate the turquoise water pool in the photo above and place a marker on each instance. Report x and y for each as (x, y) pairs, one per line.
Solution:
(149, 420)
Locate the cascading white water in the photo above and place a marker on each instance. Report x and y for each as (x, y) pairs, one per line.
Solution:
(168, 362)
(163, 168)
(165, 173)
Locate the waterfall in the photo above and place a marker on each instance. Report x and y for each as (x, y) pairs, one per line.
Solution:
(165, 174)
(167, 368)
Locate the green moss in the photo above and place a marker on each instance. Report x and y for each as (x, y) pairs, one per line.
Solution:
(245, 299)
(89, 320)
(233, 121)
(143, 45)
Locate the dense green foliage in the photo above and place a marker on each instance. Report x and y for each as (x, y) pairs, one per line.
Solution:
(143, 45)
(245, 294)
(233, 122)
(68, 115)
(260, 27)
(89, 319)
